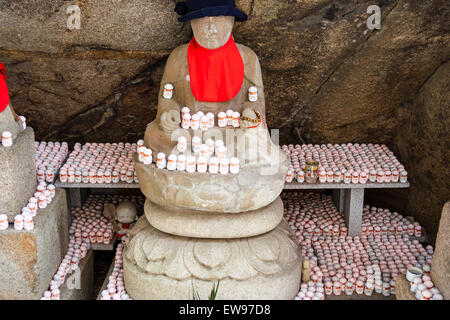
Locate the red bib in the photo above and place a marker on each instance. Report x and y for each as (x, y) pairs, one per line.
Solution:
(215, 75)
(4, 95)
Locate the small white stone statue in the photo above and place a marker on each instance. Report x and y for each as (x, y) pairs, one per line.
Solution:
(126, 215)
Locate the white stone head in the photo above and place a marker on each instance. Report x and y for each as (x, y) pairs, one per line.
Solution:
(212, 32)
(126, 212)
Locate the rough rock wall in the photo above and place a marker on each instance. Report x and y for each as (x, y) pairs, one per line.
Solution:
(440, 267)
(96, 83)
(327, 77)
(423, 143)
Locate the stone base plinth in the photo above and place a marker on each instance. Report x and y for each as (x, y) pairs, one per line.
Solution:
(158, 265)
(199, 224)
(17, 174)
(29, 259)
(80, 284)
(150, 287)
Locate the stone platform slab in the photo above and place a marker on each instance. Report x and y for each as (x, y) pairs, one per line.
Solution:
(120, 185)
(17, 174)
(29, 259)
(342, 185)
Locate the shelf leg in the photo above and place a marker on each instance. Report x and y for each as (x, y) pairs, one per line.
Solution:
(338, 199)
(353, 206)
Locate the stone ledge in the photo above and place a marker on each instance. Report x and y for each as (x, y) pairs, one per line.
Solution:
(29, 259)
(342, 185)
(17, 174)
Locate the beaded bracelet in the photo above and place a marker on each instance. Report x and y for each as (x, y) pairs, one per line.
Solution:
(258, 115)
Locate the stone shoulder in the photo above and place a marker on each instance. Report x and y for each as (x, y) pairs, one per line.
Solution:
(252, 65)
(176, 65)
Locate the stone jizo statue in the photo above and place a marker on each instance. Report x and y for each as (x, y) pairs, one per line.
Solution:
(210, 74)
(201, 227)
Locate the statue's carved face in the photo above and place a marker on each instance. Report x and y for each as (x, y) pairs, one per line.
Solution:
(212, 32)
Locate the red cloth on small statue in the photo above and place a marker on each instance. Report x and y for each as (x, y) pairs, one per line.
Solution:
(123, 226)
(4, 95)
(215, 75)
